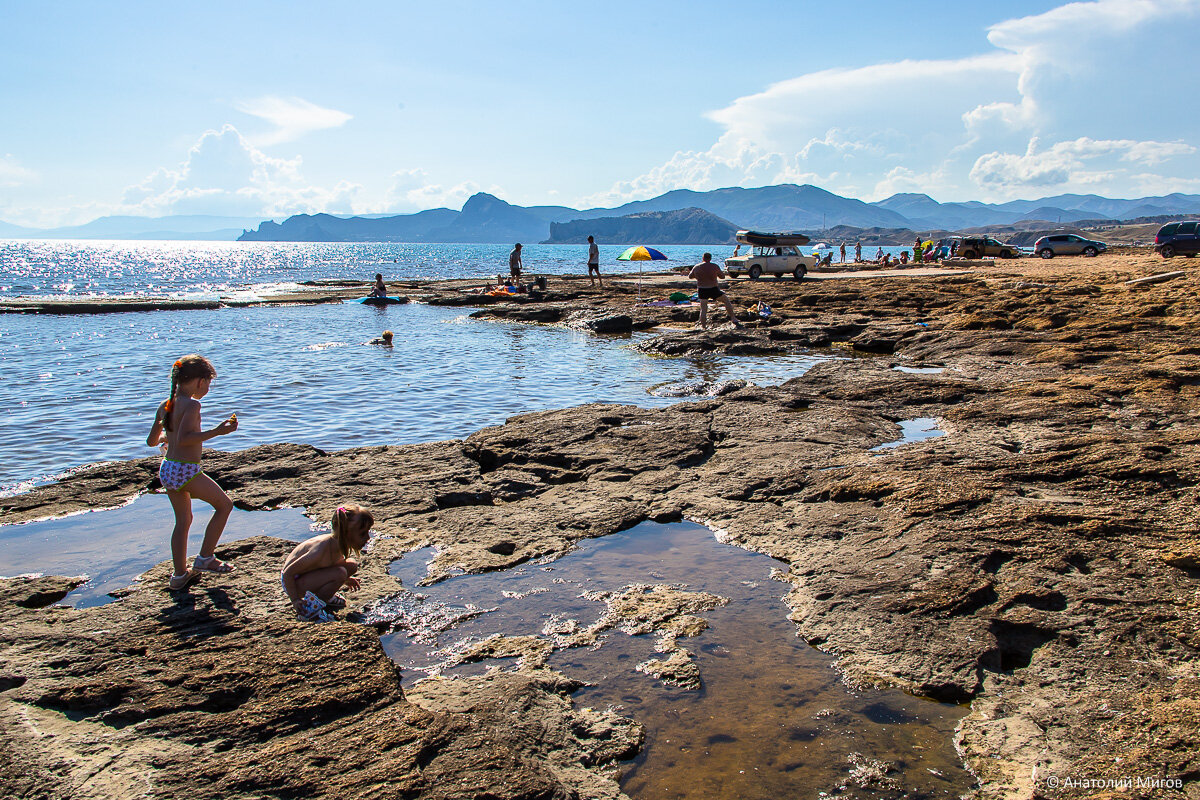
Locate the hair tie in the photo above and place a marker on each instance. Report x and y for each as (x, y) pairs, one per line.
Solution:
(178, 364)
(342, 509)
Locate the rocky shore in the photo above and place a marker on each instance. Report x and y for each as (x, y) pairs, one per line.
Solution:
(1040, 560)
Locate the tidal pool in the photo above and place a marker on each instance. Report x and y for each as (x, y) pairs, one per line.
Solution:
(912, 430)
(113, 546)
(771, 718)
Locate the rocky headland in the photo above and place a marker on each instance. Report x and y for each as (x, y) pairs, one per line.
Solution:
(1039, 561)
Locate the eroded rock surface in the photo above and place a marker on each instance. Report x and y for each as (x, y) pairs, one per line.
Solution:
(1039, 559)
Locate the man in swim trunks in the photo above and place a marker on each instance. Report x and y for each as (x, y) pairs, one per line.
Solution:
(514, 264)
(707, 274)
(594, 261)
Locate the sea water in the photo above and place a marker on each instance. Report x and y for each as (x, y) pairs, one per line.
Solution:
(77, 389)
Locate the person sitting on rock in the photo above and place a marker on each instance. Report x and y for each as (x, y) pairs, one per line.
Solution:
(315, 571)
(379, 289)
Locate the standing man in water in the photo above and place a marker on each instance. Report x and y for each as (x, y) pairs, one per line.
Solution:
(706, 275)
(594, 261)
(514, 263)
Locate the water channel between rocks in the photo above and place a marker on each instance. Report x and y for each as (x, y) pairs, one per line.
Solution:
(771, 718)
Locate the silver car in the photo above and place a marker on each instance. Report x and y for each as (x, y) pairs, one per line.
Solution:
(1067, 244)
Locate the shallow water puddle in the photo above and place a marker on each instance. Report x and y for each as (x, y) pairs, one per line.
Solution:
(913, 430)
(113, 546)
(920, 370)
(771, 719)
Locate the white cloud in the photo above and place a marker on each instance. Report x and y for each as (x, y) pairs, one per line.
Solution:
(13, 174)
(225, 174)
(411, 190)
(292, 118)
(1082, 161)
(1078, 96)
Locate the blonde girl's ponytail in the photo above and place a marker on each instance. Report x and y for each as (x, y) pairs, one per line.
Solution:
(343, 518)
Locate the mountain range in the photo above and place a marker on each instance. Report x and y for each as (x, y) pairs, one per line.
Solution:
(485, 218)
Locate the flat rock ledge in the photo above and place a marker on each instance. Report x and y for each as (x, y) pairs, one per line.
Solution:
(1039, 560)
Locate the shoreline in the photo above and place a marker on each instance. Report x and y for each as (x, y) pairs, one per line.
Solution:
(1038, 560)
(440, 290)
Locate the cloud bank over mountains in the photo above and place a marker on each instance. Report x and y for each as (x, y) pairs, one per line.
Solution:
(1076, 98)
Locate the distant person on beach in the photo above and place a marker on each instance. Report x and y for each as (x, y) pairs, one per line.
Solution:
(379, 289)
(318, 568)
(177, 425)
(858, 253)
(843, 252)
(514, 264)
(707, 275)
(594, 261)
(879, 254)
(385, 339)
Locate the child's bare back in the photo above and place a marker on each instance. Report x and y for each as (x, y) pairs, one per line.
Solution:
(322, 565)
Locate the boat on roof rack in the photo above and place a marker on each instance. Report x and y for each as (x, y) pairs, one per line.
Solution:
(762, 239)
(775, 254)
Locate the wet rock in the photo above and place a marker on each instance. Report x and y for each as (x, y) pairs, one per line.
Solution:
(677, 669)
(698, 388)
(599, 322)
(37, 591)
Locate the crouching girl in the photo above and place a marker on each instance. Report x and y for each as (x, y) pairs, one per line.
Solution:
(319, 567)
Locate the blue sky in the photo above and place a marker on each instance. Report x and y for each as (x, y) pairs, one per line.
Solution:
(269, 109)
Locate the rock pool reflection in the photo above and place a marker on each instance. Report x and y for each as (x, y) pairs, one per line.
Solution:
(113, 546)
(771, 718)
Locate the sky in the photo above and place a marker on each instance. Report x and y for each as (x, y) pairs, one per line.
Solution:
(270, 108)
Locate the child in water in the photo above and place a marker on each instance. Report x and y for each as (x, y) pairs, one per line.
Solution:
(384, 340)
(177, 424)
(320, 566)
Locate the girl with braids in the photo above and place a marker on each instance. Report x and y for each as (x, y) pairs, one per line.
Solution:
(177, 424)
(314, 572)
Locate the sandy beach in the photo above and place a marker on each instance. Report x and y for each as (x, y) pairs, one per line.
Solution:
(1038, 561)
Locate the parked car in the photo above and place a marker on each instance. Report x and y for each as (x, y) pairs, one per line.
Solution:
(1067, 244)
(1182, 238)
(770, 254)
(985, 247)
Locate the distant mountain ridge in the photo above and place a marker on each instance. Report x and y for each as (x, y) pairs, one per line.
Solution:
(485, 218)
(683, 226)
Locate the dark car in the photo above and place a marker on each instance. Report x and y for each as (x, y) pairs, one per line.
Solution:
(985, 247)
(1178, 238)
(1067, 244)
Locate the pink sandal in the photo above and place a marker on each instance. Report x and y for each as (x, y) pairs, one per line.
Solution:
(211, 564)
(180, 582)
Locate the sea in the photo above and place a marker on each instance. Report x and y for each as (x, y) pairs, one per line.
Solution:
(80, 389)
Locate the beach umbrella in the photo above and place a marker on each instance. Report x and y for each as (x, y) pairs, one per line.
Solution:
(641, 253)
